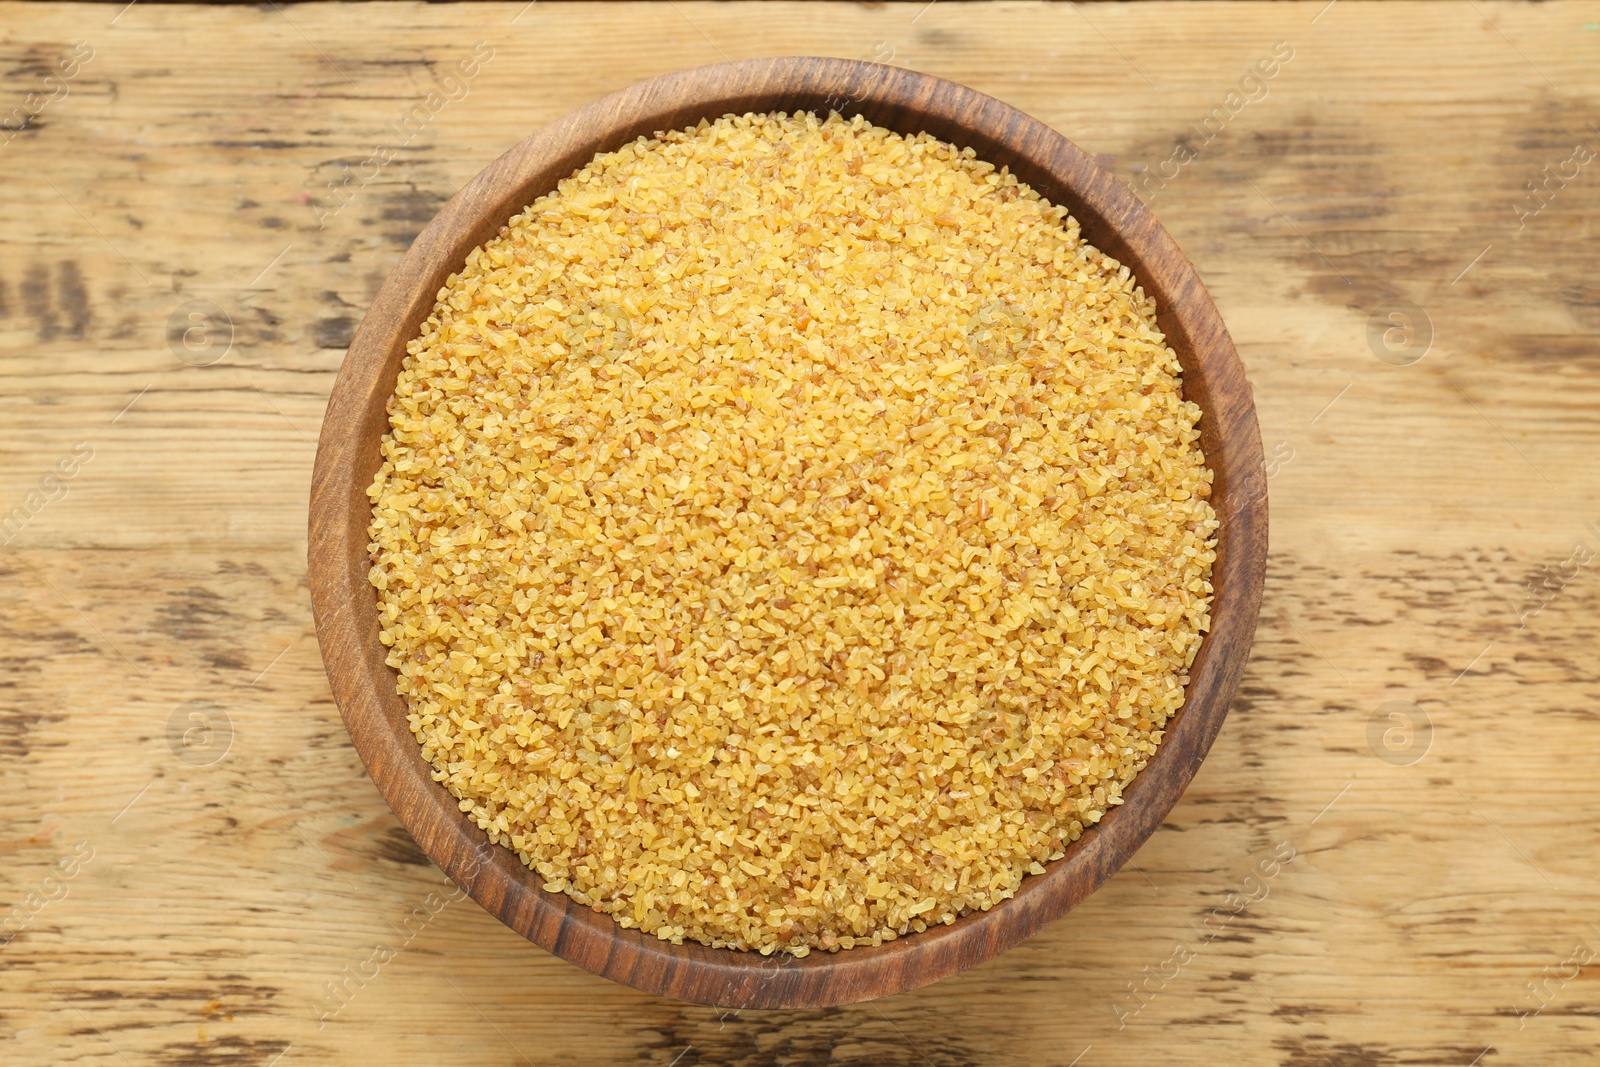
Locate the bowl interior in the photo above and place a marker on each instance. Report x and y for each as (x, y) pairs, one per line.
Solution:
(348, 458)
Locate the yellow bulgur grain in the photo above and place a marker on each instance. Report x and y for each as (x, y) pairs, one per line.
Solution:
(790, 534)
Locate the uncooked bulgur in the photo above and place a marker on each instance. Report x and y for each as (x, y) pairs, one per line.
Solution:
(790, 534)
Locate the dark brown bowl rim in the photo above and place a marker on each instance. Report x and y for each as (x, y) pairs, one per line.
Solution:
(344, 603)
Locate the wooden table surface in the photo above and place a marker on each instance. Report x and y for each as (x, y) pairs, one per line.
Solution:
(1390, 857)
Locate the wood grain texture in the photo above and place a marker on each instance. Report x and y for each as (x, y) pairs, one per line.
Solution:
(349, 455)
(1441, 896)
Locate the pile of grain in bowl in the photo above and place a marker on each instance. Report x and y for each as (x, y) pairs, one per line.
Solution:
(791, 534)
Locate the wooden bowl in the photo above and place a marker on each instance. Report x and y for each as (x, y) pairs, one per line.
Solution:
(348, 458)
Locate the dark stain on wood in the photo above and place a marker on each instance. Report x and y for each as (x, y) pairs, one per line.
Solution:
(73, 298)
(828, 1037)
(192, 614)
(1581, 299)
(224, 659)
(333, 333)
(229, 1050)
(1309, 1051)
(46, 325)
(397, 846)
(410, 205)
(18, 731)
